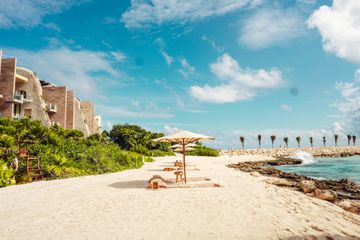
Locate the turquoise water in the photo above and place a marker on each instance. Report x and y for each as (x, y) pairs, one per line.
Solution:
(329, 168)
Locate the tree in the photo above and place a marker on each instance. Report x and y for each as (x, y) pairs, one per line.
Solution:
(298, 139)
(354, 140)
(311, 141)
(336, 138)
(272, 137)
(130, 137)
(286, 141)
(324, 141)
(349, 139)
(259, 139)
(242, 140)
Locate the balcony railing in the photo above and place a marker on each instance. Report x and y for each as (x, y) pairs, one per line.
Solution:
(18, 98)
(51, 107)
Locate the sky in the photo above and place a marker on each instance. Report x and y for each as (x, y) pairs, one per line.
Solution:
(226, 68)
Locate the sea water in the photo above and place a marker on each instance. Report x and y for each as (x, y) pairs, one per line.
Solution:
(328, 168)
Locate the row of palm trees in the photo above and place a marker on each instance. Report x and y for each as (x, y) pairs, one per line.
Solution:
(298, 140)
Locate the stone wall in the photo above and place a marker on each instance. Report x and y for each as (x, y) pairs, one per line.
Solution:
(284, 152)
(37, 106)
(7, 86)
(79, 119)
(88, 111)
(58, 96)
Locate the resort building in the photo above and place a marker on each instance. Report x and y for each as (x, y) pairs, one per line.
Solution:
(22, 94)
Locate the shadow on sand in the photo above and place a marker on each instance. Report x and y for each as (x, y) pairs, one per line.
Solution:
(130, 184)
(322, 237)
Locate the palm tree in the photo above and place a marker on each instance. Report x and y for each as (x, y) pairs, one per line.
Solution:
(354, 140)
(272, 137)
(324, 141)
(259, 139)
(286, 140)
(242, 140)
(312, 141)
(336, 138)
(298, 139)
(349, 139)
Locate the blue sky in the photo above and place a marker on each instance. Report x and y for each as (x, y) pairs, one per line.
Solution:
(225, 68)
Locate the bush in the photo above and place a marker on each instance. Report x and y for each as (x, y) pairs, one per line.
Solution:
(6, 175)
(63, 153)
(149, 159)
(204, 151)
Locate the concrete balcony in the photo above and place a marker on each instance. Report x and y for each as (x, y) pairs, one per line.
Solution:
(51, 107)
(21, 79)
(18, 98)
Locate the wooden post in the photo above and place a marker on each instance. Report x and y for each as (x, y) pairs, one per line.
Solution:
(183, 143)
(28, 167)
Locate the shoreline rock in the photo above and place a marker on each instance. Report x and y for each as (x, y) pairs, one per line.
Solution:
(344, 193)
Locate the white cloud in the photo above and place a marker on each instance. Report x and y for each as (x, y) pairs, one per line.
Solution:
(339, 26)
(213, 44)
(30, 13)
(238, 84)
(271, 27)
(120, 112)
(162, 45)
(63, 66)
(169, 130)
(186, 69)
(286, 107)
(109, 20)
(156, 12)
(349, 106)
(168, 59)
(119, 56)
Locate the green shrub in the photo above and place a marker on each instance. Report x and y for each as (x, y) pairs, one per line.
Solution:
(149, 159)
(159, 153)
(6, 175)
(63, 153)
(204, 151)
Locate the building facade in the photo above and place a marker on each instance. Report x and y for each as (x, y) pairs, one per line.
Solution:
(22, 94)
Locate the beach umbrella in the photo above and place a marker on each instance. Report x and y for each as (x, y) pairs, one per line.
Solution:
(183, 138)
(187, 145)
(186, 149)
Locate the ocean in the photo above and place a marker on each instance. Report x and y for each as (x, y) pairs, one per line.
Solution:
(328, 168)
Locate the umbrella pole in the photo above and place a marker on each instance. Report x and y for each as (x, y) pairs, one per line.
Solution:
(184, 161)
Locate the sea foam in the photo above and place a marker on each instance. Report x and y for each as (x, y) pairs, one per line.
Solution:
(306, 157)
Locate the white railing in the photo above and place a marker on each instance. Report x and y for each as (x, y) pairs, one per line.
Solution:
(18, 98)
(51, 107)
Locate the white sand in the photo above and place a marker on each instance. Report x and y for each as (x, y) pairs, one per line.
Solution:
(117, 206)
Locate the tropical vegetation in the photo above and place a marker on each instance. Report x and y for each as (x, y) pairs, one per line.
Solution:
(62, 153)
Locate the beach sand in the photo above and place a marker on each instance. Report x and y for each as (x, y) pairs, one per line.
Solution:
(118, 206)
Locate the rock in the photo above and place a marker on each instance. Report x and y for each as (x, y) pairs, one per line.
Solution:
(349, 205)
(307, 186)
(255, 174)
(328, 195)
(280, 182)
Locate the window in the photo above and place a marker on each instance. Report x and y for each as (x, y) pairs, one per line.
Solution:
(17, 109)
(23, 93)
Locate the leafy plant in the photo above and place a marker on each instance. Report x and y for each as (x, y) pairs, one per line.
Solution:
(204, 151)
(6, 175)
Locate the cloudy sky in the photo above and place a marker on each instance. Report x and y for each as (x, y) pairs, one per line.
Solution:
(228, 68)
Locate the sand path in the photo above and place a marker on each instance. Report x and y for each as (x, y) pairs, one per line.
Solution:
(117, 206)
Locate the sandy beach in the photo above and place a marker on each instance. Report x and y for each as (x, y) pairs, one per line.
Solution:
(118, 206)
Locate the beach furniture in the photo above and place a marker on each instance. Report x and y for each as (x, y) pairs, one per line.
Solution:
(183, 138)
(179, 176)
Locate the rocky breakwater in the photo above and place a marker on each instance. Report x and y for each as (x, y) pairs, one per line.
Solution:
(284, 152)
(344, 193)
